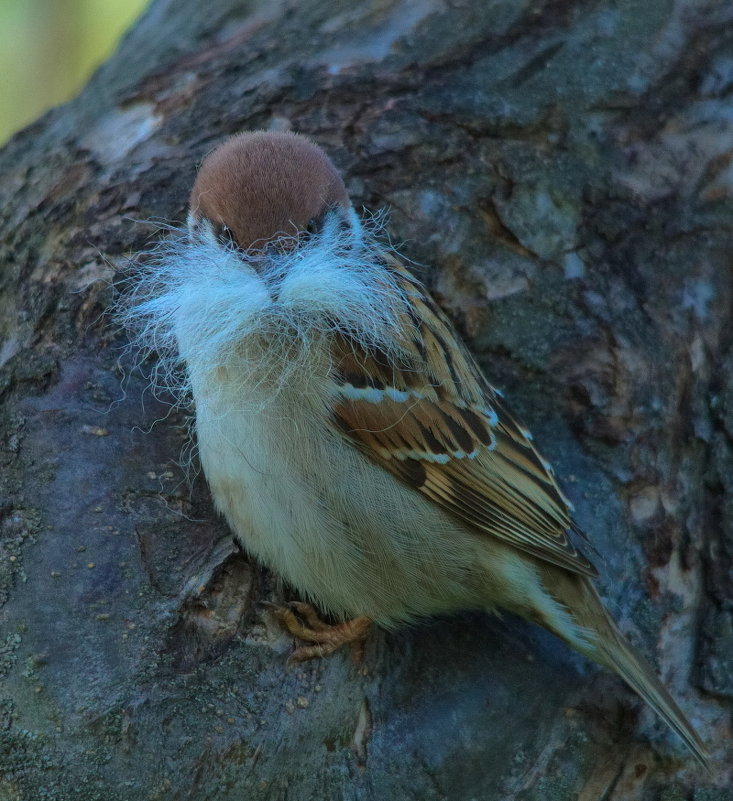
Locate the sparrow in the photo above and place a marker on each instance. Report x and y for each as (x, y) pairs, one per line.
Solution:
(348, 436)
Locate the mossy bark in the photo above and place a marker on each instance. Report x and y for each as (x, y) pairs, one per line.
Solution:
(563, 170)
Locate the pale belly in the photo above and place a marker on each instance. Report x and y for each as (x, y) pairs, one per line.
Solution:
(338, 527)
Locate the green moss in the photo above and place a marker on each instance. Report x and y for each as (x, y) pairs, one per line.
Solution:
(7, 652)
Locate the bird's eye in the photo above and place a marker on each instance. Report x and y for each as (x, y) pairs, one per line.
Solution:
(224, 235)
(312, 226)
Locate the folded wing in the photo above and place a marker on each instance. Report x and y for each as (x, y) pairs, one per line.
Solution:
(431, 418)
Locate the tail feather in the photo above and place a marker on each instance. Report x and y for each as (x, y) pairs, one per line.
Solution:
(596, 636)
(618, 654)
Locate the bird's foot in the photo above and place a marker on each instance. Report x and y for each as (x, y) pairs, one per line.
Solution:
(303, 622)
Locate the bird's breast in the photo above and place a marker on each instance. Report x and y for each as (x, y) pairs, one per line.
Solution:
(339, 528)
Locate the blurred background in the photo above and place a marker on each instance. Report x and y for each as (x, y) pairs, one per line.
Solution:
(49, 48)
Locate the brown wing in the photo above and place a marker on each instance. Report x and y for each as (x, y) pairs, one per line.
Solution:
(435, 422)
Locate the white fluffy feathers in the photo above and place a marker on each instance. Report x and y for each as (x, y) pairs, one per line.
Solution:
(201, 303)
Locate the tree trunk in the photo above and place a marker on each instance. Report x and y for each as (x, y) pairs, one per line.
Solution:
(564, 171)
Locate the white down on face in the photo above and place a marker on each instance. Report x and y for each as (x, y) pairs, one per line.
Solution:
(205, 306)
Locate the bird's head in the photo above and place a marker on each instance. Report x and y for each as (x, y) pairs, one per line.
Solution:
(276, 266)
(259, 188)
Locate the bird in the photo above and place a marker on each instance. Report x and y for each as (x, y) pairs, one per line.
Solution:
(348, 436)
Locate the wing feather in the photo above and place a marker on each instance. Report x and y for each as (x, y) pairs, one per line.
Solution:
(431, 418)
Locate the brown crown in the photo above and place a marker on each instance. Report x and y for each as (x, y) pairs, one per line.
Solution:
(261, 185)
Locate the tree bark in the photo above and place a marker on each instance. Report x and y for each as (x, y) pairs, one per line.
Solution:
(563, 170)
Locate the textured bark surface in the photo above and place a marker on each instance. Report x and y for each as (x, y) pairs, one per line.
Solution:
(564, 171)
